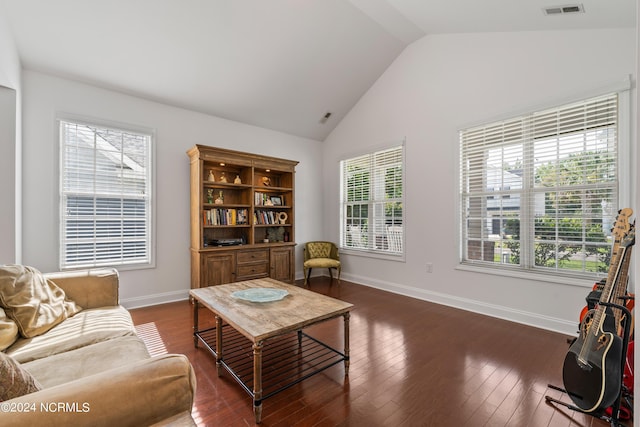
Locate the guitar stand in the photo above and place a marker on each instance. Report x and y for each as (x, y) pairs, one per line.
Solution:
(614, 419)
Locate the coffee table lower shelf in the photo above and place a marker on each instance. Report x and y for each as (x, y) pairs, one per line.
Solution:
(286, 359)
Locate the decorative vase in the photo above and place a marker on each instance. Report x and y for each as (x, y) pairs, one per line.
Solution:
(219, 199)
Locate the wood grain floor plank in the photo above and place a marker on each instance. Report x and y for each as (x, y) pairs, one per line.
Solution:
(413, 363)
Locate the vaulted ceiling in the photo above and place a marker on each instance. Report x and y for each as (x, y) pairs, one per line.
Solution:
(278, 64)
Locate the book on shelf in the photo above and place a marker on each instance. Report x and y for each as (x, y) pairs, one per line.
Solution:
(222, 216)
(265, 217)
(260, 198)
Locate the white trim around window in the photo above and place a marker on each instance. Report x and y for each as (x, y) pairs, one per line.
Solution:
(508, 145)
(372, 203)
(107, 194)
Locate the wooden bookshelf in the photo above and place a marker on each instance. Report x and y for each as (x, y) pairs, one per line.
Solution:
(242, 216)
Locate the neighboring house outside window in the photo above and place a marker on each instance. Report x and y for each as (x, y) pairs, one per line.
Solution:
(105, 196)
(540, 192)
(372, 198)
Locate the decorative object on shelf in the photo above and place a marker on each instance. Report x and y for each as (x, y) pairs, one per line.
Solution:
(211, 177)
(265, 240)
(219, 199)
(268, 202)
(286, 236)
(237, 180)
(266, 181)
(276, 200)
(282, 217)
(210, 195)
(275, 234)
(272, 234)
(223, 178)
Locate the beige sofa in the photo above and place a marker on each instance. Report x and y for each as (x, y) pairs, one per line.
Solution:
(94, 371)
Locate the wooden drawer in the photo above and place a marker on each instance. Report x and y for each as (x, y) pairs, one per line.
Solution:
(252, 271)
(248, 257)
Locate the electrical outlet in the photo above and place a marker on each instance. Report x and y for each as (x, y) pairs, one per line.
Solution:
(429, 267)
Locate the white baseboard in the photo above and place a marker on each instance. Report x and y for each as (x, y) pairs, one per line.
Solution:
(155, 299)
(506, 313)
(519, 316)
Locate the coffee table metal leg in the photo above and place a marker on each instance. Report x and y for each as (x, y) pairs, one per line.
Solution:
(257, 381)
(346, 343)
(218, 345)
(195, 323)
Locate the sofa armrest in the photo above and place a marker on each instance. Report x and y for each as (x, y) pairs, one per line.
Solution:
(89, 288)
(139, 394)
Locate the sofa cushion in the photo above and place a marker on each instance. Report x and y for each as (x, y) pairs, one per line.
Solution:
(85, 328)
(8, 331)
(94, 288)
(14, 380)
(140, 393)
(92, 359)
(33, 302)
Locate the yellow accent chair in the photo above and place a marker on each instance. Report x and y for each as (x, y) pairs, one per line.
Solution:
(320, 255)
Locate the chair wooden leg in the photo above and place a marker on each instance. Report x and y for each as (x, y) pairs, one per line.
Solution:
(330, 274)
(307, 275)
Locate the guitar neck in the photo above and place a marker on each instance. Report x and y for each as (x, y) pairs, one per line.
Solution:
(620, 271)
(616, 254)
(620, 287)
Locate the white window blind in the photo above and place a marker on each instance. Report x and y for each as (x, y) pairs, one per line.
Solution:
(540, 191)
(105, 196)
(372, 197)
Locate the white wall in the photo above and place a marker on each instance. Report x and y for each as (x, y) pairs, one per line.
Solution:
(10, 147)
(9, 60)
(8, 174)
(176, 131)
(437, 86)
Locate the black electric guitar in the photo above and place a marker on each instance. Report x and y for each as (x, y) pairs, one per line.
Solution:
(592, 370)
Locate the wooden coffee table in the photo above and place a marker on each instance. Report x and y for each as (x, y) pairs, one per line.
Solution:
(239, 339)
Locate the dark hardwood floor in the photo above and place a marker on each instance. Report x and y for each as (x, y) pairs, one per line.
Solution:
(413, 363)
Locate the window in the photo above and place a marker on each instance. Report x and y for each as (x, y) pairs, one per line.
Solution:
(540, 192)
(372, 197)
(105, 196)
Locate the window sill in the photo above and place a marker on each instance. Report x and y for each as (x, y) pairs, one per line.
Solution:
(580, 281)
(372, 254)
(119, 267)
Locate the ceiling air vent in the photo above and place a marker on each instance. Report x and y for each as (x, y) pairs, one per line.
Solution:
(324, 118)
(564, 10)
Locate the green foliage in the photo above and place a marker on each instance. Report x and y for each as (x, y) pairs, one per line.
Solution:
(589, 167)
(547, 254)
(358, 185)
(573, 218)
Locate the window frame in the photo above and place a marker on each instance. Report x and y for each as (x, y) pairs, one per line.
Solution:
(624, 192)
(150, 185)
(367, 251)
